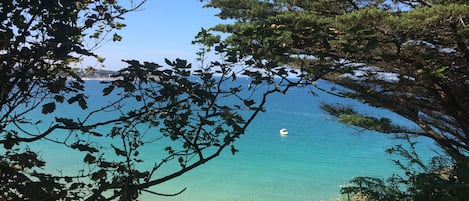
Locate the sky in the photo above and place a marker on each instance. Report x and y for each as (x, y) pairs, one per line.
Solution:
(160, 29)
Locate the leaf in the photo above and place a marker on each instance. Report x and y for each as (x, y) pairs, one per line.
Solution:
(101, 174)
(96, 134)
(182, 64)
(118, 151)
(182, 162)
(89, 159)
(129, 87)
(115, 131)
(48, 108)
(439, 72)
(59, 98)
(108, 90)
(83, 147)
(69, 123)
(9, 142)
(89, 23)
(120, 25)
(104, 164)
(138, 98)
(75, 185)
(167, 61)
(248, 102)
(227, 139)
(219, 130)
(68, 180)
(116, 37)
(81, 100)
(82, 103)
(169, 150)
(233, 150)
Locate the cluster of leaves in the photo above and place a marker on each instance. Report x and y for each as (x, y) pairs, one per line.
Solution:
(187, 112)
(192, 115)
(21, 181)
(410, 57)
(349, 116)
(423, 44)
(40, 41)
(435, 180)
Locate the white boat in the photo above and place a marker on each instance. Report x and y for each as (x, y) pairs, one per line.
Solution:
(283, 131)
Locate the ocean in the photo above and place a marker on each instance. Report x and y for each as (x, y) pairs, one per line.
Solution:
(318, 156)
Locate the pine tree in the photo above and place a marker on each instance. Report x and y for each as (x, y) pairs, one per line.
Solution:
(410, 57)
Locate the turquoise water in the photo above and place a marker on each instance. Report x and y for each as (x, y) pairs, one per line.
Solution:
(317, 156)
(311, 163)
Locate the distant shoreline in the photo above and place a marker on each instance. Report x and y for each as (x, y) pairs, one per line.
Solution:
(99, 78)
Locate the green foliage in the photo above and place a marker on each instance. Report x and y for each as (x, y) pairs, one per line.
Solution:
(21, 179)
(351, 117)
(422, 45)
(182, 109)
(382, 124)
(39, 42)
(435, 180)
(188, 109)
(410, 57)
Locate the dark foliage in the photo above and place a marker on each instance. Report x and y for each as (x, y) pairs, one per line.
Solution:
(410, 57)
(182, 111)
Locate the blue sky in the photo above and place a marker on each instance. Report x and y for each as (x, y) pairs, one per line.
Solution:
(161, 29)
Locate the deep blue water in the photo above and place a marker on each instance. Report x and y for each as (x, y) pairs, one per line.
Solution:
(317, 156)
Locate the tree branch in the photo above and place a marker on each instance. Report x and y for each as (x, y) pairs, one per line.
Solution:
(165, 195)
